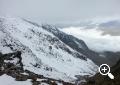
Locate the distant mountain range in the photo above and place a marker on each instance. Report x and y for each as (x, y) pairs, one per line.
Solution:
(111, 24)
(101, 22)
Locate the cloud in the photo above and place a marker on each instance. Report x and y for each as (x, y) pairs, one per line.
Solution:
(95, 39)
(56, 11)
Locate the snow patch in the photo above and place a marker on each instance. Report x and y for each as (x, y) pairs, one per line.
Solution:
(8, 80)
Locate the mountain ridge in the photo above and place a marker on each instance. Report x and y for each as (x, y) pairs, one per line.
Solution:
(42, 49)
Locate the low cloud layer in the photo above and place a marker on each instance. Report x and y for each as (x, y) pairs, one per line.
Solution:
(95, 39)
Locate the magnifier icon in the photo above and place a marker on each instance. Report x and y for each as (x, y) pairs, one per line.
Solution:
(104, 69)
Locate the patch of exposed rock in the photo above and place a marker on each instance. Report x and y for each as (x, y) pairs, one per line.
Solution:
(11, 64)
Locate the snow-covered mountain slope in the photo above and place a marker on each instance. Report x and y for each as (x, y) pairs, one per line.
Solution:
(42, 52)
(70, 40)
(76, 43)
(11, 66)
(12, 81)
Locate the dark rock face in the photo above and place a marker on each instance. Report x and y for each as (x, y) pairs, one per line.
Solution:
(11, 64)
(113, 57)
(98, 79)
(11, 61)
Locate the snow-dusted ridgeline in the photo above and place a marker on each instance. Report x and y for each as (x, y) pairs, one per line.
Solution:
(42, 52)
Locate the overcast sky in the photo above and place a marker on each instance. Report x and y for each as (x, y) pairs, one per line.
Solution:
(56, 11)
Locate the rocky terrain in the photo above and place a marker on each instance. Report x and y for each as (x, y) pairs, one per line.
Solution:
(98, 79)
(11, 65)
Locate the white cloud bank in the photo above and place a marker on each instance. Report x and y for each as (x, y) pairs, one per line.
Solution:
(95, 39)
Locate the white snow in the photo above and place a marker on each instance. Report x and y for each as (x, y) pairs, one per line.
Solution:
(8, 80)
(14, 61)
(34, 43)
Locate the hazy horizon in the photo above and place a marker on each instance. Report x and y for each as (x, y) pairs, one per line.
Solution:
(60, 11)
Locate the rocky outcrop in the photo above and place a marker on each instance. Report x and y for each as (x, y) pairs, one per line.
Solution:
(11, 64)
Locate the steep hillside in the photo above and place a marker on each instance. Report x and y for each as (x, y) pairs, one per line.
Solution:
(11, 70)
(43, 52)
(113, 57)
(97, 42)
(73, 42)
(77, 44)
(80, 46)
